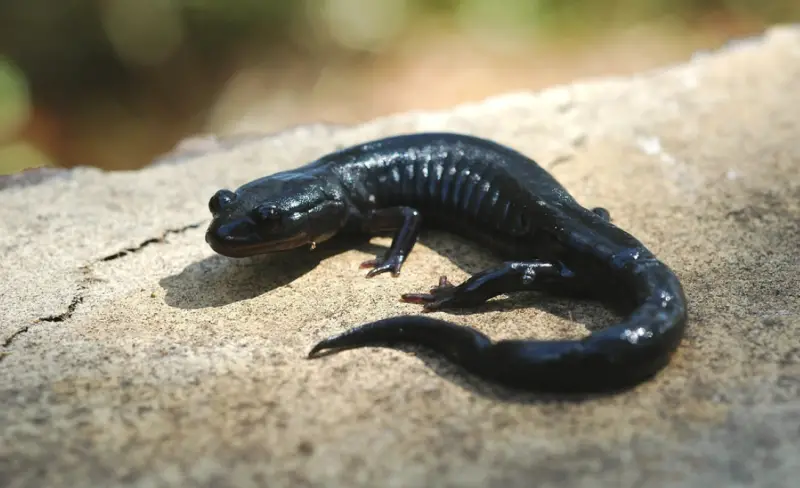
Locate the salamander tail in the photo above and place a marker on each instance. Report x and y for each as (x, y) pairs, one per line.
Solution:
(455, 342)
(611, 359)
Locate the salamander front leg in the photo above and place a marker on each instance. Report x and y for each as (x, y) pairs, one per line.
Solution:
(507, 278)
(405, 222)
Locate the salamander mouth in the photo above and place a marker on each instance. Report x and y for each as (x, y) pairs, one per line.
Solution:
(247, 250)
(243, 244)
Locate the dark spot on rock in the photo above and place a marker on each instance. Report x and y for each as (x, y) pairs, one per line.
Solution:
(772, 322)
(305, 448)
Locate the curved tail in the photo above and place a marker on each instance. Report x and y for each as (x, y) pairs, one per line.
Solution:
(613, 358)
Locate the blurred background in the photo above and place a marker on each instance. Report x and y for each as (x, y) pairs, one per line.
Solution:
(115, 83)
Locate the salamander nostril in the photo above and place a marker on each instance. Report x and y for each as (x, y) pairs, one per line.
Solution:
(220, 200)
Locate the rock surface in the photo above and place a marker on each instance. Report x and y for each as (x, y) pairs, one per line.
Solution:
(132, 355)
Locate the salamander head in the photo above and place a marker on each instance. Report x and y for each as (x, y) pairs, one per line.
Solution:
(277, 213)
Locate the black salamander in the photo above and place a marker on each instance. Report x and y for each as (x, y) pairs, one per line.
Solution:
(502, 200)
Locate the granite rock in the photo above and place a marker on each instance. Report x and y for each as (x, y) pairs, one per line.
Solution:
(132, 355)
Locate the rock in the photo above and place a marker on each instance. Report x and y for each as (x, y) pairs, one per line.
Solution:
(135, 356)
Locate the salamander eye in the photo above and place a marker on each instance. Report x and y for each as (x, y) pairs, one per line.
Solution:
(267, 215)
(220, 200)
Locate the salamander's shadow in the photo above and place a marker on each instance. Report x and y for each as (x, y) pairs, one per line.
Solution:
(217, 280)
(496, 392)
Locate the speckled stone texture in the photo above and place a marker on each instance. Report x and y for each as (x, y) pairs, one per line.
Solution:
(134, 356)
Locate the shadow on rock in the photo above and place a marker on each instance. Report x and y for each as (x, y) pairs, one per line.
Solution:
(218, 280)
(484, 388)
(495, 392)
(468, 257)
(587, 313)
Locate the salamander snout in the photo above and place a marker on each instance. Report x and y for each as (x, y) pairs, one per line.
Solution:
(233, 237)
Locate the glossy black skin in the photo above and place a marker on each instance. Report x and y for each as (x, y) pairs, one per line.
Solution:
(502, 200)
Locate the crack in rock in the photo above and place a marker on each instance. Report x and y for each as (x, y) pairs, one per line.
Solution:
(83, 285)
(10, 339)
(76, 300)
(152, 240)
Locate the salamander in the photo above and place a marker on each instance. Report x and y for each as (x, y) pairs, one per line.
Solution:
(500, 199)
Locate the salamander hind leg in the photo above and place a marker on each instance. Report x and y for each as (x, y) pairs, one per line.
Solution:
(510, 277)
